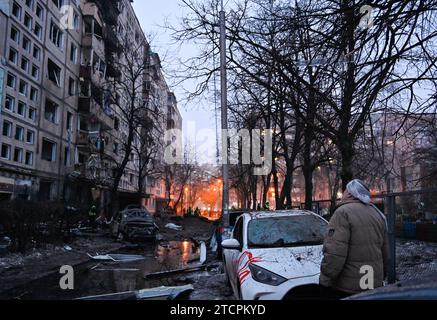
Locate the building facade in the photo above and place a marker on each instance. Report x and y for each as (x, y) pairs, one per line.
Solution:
(63, 118)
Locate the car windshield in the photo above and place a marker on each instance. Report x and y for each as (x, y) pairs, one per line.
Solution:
(288, 231)
(135, 213)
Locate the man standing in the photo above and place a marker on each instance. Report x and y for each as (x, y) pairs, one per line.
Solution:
(356, 244)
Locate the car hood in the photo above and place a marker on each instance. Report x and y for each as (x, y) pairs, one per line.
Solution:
(290, 263)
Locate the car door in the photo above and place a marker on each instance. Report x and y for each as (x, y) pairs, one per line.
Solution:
(234, 255)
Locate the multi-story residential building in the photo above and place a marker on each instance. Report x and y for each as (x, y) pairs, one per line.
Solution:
(62, 120)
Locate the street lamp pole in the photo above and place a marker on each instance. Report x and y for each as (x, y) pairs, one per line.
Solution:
(224, 114)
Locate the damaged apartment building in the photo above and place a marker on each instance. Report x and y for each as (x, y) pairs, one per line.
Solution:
(63, 125)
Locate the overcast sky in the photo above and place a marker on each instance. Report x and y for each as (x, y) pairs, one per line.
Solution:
(153, 15)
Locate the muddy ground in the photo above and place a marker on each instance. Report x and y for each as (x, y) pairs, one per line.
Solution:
(21, 270)
(35, 275)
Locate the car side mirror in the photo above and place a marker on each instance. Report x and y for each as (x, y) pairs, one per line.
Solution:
(231, 244)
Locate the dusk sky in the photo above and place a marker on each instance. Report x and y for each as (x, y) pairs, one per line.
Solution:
(153, 15)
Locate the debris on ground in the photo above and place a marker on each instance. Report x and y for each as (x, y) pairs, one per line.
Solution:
(160, 293)
(117, 257)
(173, 226)
(415, 258)
(17, 269)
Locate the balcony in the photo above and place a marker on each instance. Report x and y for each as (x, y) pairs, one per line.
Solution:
(109, 10)
(95, 112)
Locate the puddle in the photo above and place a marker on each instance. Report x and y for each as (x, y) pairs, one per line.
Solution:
(104, 277)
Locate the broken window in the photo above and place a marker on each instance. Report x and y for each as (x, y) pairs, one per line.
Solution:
(7, 128)
(71, 87)
(6, 151)
(34, 94)
(51, 111)
(299, 230)
(39, 11)
(18, 155)
(10, 103)
(58, 3)
(32, 113)
(13, 56)
(73, 53)
(37, 30)
(48, 152)
(22, 89)
(21, 108)
(35, 71)
(15, 35)
(67, 156)
(29, 158)
(36, 52)
(19, 133)
(54, 72)
(16, 11)
(69, 121)
(28, 21)
(24, 64)
(26, 44)
(30, 137)
(11, 81)
(56, 35)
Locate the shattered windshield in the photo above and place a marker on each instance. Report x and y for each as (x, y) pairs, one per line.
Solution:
(291, 231)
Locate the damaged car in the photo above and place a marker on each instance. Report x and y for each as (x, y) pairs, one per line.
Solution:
(274, 255)
(135, 224)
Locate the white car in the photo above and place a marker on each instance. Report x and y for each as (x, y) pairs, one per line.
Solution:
(274, 255)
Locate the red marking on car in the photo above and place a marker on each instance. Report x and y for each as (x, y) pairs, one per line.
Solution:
(244, 270)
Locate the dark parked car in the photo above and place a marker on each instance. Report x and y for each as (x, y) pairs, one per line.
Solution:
(423, 288)
(135, 224)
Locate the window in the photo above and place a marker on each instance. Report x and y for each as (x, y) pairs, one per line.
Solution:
(7, 128)
(48, 150)
(37, 30)
(19, 133)
(23, 88)
(6, 151)
(115, 148)
(28, 21)
(58, 3)
(30, 137)
(72, 87)
(26, 44)
(10, 103)
(116, 123)
(36, 52)
(21, 108)
(16, 11)
(29, 158)
(76, 21)
(18, 155)
(69, 121)
(24, 64)
(29, 3)
(39, 11)
(35, 72)
(73, 53)
(11, 81)
(13, 56)
(31, 114)
(15, 35)
(56, 35)
(34, 94)
(67, 156)
(54, 72)
(51, 111)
